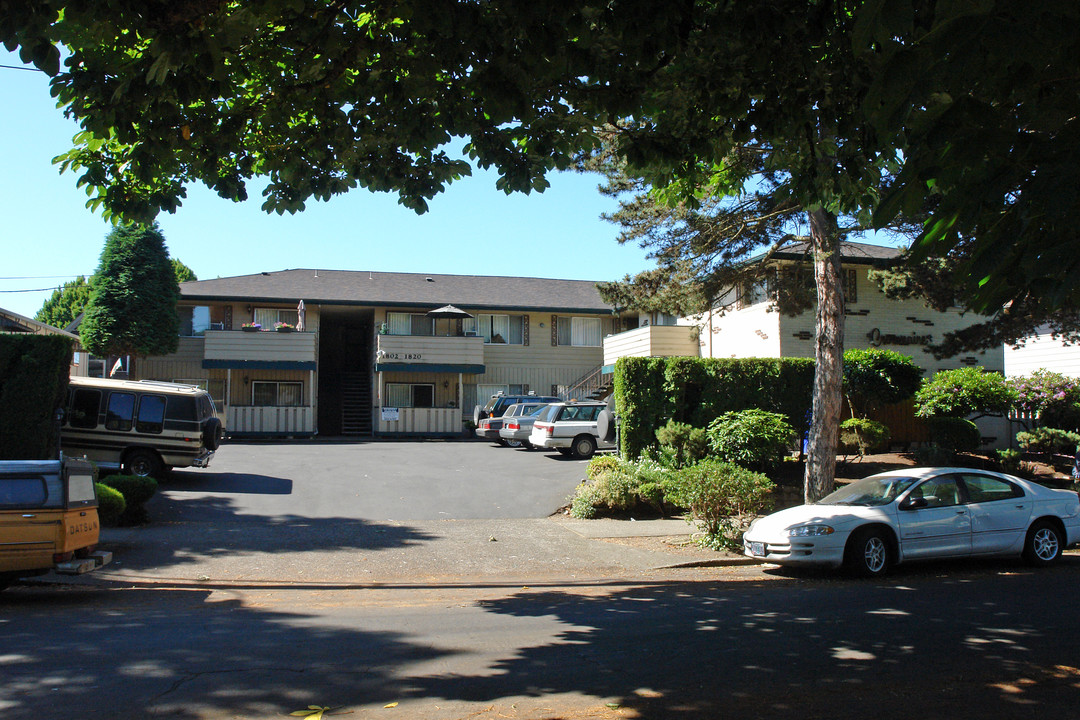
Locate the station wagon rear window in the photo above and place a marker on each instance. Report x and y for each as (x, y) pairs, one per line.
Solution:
(20, 492)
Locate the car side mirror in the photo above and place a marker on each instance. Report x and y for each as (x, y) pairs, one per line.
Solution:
(914, 503)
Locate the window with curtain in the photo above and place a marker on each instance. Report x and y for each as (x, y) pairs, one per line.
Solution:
(410, 395)
(499, 329)
(579, 332)
(277, 394)
(398, 323)
(268, 317)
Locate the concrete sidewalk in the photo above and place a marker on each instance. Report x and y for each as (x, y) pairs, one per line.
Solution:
(559, 548)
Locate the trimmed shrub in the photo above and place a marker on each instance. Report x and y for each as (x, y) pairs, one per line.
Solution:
(111, 505)
(721, 497)
(875, 377)
(136, 491)
(933, 455)
(955, 434)
(618, 486)
(1048, 440)
(695, 391)
(863, 437)
(33, 384)
(681, 444)
(963, 392)
(1049, 396)
(601, 464)
(752, 438)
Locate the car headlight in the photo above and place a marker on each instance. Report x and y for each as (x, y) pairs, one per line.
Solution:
(809, 530)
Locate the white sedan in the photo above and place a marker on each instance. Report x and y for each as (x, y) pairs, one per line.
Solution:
(874, 523)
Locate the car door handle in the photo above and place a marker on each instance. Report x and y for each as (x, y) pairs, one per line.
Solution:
(961, 512)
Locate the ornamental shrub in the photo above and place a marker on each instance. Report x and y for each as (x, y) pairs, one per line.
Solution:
(33, 385)
(721, 497)
(137, 491)
(955, 434)
(862, 437)
(620, 486)
(1009, 460)
(111, 505)
(1048, 440)
(963, 392)
(752, 438)
(1049, 396)
(933, 455)
(681, 444)
(877, 377)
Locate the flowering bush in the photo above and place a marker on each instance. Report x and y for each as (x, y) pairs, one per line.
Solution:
(1049, 396)
(284, 326)
(252, 326)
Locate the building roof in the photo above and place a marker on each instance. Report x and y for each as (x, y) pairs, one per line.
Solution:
(850, 252)
(12, 322)
(419, 290)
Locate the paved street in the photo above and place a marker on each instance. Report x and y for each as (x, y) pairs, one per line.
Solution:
(293, 575)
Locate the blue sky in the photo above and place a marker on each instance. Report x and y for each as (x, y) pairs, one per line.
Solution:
(49, 236)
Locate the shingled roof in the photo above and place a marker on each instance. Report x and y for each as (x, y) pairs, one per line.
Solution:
(850, 252)
(414, 290)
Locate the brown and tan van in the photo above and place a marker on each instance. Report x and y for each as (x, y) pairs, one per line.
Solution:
(48, 519)
(141, 427)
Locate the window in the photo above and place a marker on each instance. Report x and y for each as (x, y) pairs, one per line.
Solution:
(848, 280)
(406, 324)
(268, 317)
(752, 293)
(410, 395)
(938, 492)
(277, 394)
(194, 321)
(17, 492)
(987, 489)
(120, 411)
(83, 410)
(498, 329)
(180, 407)
(579, 332)
(151, 417)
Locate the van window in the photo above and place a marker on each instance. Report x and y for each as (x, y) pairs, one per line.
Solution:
(151, 414)
(18, 492)
(180, 407)
(85, 405)
(120, 411)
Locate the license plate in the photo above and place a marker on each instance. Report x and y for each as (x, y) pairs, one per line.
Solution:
(757, 549)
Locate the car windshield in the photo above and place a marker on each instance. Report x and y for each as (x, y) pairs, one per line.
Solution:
(539, 409)
(874, 490)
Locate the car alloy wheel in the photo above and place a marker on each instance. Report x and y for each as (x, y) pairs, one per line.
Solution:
(868, 553)
(1043, 544)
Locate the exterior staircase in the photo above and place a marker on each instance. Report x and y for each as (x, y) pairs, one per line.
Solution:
(594, 385)
(355, 404)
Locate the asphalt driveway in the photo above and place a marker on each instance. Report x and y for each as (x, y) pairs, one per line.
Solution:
(421, 480)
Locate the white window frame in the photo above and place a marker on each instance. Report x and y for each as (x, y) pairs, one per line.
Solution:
(277, 392)
(581, 331)
(407, 392)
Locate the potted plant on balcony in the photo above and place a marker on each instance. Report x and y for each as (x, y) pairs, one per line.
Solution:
(284, 327)
(251, 327)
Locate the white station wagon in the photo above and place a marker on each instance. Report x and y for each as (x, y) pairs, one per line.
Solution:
(920, 513)
(570, 428)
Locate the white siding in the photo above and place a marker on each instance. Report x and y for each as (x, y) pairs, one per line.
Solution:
(1042, 352)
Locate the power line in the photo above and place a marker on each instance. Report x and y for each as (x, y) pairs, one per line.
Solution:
(42, 277)
(37, 290)
(20, 67)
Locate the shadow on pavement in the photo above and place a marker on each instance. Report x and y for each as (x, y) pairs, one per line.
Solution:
(245, 483)
(973, 646)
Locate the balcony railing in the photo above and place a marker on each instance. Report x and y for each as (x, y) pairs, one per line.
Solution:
(432, 350)
(266, 346)
(652, 341)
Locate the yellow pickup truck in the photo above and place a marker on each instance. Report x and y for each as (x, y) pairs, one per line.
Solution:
(48, 519)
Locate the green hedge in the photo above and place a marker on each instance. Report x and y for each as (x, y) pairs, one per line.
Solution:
(696, 391)
(33, 384)
(136, 491)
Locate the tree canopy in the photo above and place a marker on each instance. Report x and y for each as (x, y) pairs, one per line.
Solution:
(132, 309)
(925, 104)
(65, 303)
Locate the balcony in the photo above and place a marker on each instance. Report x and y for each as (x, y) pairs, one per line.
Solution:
(268, 349)
(652, 341)
(430, 353)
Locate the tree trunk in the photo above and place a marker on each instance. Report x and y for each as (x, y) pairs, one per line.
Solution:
(828, 355)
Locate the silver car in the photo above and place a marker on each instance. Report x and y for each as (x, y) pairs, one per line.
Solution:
(491, 427)
(516, 429)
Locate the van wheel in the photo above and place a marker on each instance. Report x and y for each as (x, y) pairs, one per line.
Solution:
(143, 463)
(584, 446)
